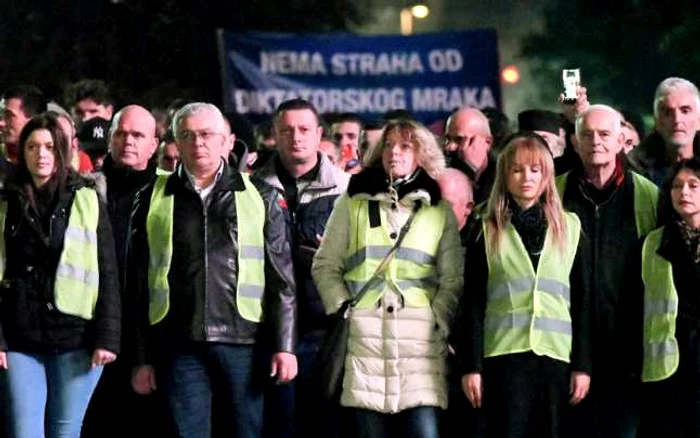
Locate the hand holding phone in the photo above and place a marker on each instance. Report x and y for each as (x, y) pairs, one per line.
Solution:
(574, 99)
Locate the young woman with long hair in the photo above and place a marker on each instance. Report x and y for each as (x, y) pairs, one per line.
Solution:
(59, 296)
(527, 349)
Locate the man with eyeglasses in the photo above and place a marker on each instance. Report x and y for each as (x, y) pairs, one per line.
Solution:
(215, 276)
(467, 145)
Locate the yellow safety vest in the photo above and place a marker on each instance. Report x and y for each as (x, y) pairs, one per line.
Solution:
(661, 355)
(412, 271)
(250, 212)
(528, 310)
(77, 281)
(646, 199)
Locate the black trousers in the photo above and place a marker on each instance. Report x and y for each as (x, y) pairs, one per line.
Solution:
(525, 396)
(115, 410)
(671, 407)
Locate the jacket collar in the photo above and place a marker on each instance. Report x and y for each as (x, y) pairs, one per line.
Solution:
(230, 180)
(373, 183)
(325, 179)
(652, 151)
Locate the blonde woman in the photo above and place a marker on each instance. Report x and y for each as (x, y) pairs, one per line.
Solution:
(395, 377)
(527, 301)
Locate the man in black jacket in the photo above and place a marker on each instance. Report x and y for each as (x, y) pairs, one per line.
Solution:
(617, 209)
(467, 146)
(214, 270)
(675, 136)
(127, 169)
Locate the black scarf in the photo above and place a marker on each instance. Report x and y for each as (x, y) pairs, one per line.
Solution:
(531, 225)
(691, 238)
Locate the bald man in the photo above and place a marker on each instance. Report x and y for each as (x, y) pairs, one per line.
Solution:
(461, 419)
(456, 189)
(467, 144)
(126, 169)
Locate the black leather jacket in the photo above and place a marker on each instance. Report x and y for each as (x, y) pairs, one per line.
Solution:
(203, 272)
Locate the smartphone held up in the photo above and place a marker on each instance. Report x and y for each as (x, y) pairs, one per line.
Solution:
(572, 80)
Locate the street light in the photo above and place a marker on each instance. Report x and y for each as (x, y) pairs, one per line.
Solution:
(417, 10)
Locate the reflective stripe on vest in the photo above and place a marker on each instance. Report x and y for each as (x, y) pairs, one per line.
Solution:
(661, 356)
(77, 281)
(528, 310)
(412, 271)
(646, 199)
(250, 220)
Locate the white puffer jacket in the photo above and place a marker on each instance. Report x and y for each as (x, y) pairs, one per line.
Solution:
(396, 354)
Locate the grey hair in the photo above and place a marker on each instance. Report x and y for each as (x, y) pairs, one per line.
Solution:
(196, 108)
(668, 86)
(617, 123)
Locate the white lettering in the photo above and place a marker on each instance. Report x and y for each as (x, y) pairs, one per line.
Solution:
(292, 63)
(371, 64)
(449, 60)
(338, 65)
(487, 99)
(454, 60)
(367, 100)
(449, 99)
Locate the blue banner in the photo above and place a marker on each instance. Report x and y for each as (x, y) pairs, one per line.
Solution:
(429, 75)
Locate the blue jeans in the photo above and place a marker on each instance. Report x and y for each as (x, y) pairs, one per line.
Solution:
(222, 376)
(420, 422)
(52, 389)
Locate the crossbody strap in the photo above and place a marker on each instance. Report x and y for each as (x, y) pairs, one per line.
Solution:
(386, 260)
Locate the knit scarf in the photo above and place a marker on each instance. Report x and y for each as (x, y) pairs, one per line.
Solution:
(691, 238)
(531, 225)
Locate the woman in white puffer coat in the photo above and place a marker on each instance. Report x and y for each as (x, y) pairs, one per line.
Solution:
(395, 366)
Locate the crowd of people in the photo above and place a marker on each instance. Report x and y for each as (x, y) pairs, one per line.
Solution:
(173, 272)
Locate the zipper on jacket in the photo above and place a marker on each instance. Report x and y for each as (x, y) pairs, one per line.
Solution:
(206, 266)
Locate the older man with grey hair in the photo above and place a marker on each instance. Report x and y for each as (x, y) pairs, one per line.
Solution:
(217, 285)
(675, 136)
(617, 208)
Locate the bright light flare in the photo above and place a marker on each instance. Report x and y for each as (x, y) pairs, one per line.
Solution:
(510, 75)
(420, 11)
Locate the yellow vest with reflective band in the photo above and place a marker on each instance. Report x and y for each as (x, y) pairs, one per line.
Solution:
(528, 310)
(250, 212)
(660, 310)
(411, 272)
(646, 198)
(77, 281)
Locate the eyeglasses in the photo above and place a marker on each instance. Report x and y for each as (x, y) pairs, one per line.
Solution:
(191, 136)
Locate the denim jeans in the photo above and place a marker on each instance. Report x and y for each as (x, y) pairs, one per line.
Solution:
(52, 389)
(419, 422)
(205, 375)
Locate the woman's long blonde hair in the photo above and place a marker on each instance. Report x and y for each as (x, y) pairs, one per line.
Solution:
(428, 154)
(530, 148)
